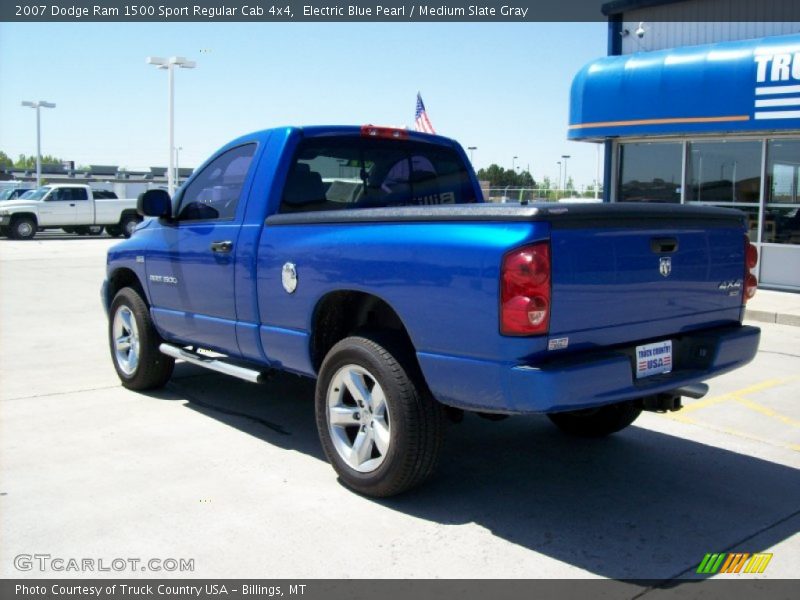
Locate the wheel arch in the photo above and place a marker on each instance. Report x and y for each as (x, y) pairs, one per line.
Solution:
(123, 277)
(342, 313)
(128, 212)
(20, 215)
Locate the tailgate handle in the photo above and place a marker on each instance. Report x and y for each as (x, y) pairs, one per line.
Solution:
(664, 245)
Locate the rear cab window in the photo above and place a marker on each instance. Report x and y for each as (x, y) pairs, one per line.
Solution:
(348, 172)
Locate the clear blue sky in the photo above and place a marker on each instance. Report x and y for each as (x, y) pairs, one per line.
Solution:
(501, 87)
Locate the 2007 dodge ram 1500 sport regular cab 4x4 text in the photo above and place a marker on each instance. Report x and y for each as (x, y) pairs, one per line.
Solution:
(366, 258)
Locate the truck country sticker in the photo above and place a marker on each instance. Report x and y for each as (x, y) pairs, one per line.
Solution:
(164, 279)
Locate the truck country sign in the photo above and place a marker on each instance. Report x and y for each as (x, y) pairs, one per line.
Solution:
(743, 86)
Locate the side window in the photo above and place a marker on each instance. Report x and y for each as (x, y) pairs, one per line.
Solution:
(214, 193)
(61, 195)
(79, 194)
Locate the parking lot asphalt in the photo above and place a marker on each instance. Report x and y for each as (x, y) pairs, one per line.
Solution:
(232, 475)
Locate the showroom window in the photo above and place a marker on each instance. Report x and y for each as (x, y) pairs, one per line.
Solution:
(650, 172)
(782, 207)
(724, 172)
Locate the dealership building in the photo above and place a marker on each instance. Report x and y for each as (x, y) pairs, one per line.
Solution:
(697, 102)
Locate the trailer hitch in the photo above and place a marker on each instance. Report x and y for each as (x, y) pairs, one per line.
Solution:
(671, 401)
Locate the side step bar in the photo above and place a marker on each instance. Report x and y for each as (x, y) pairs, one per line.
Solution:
(213, 364)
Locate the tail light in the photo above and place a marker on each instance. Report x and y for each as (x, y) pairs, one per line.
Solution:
(392, 133)
(525, 291)
(750, 262)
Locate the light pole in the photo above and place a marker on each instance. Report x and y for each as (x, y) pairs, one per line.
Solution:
(471, 152)
(177, 166)
(558, 182)
(37, 106)
(597, 174)
(169, 64)
(564, 157)
(514, 163)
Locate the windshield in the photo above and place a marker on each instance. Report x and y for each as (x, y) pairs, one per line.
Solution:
(35, 194)
(6, 194)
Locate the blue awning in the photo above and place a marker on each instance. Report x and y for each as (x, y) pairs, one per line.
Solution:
(744, 86)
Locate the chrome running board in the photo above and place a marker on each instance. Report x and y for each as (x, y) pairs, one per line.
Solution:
(214, 364)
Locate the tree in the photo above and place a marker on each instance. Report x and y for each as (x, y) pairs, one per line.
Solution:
(497, 176)
(5, 161)
(29, 162)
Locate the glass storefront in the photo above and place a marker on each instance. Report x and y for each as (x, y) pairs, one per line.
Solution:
(782, 209)
(724, 172)
(731, 173)
(650, 172)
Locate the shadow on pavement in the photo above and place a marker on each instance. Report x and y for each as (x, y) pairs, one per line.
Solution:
(640, 504)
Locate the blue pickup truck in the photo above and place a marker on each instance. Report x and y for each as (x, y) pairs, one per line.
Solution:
(366, 258)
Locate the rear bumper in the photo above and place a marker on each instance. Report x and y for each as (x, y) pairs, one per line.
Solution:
(584, 380)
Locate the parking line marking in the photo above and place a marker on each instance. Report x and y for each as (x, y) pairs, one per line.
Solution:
(758, 387)
(739, 396)
(765, 410)
(733, 432)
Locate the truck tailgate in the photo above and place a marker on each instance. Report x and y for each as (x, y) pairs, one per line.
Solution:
(612, 285)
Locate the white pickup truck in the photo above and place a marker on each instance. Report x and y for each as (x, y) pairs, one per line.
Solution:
(73, 208)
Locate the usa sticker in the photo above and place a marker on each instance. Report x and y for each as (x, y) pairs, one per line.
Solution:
(558, 343)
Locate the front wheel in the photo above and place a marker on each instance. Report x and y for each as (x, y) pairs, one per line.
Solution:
(134, 343)
(114, 230)
(23, 228)
(597, 422)
(379, 427)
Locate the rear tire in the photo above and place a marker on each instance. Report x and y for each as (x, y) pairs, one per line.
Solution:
(134, 342)
(128, 224)
(23, 228)
(114, 230)
(379, 426)
(597, 422)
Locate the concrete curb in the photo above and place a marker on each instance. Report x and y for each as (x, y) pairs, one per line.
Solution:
(765, 316)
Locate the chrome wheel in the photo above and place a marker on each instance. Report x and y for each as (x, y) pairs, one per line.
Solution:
(126, 340)
(25, 229)
(358, 418)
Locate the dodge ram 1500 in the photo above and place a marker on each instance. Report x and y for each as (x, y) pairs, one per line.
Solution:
(366, 258)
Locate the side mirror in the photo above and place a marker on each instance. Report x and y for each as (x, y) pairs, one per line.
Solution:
(154, 203)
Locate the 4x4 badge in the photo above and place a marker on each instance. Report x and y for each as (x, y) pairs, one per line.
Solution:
(665, 266)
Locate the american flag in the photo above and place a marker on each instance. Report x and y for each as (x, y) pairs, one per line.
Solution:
(421, 120)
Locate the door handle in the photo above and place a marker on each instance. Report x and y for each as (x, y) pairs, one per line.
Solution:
(222, 247)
